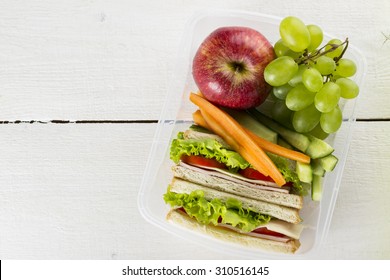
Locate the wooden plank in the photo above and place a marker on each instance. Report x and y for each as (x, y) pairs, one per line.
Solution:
(68, 191)
(360, 225)
(93, 60)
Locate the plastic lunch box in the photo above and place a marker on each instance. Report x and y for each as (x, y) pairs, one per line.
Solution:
(176, 116)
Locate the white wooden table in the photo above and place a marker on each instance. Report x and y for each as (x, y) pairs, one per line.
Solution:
(82, 83)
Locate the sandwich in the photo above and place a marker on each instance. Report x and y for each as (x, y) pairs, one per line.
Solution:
(217, 192)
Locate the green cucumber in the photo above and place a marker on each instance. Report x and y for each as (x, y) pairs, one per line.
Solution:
(199, 128)
(253, 125)
(283, 143)
(316, 167)
(304, 172)
(318, 148)
(316, 188)
(329, 162)
(297, 140)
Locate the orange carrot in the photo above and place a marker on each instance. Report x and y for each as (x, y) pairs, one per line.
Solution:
(277, 149)
(223, 122)
(263, 143)
(198, 119)
(201, 120)
(216, 128)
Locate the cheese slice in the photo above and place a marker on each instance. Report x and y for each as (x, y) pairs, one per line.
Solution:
(289, 229)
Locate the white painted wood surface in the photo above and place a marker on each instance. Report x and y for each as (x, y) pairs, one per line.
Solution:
(68, 191)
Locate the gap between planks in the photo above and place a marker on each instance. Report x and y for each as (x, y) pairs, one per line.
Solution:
(132, 121)
(77, 122)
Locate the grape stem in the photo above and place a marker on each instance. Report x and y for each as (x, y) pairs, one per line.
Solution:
(306, 57)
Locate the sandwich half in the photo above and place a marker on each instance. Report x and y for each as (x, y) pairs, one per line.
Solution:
(217, 192)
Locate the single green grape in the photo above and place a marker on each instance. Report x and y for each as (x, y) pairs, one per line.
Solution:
(325, 65)
(337, 52)
(306, 120)
(280, 92)
(279, 71)
(294, 33)
(319, 132)
(280, 48)
(297, 78)
(316, 36)
(299, 98)
(330, 122)
(312, 79)
(349, 89)
(345, 67)
(281, 113)
(328, 97)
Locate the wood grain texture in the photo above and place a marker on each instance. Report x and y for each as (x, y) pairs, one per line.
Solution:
(97, 59)
(69, 192)
(363, 200)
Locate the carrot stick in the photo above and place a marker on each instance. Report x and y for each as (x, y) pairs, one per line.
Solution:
(198, 119)
(263, 143)
(232, 130)
(278, 150)
(253, 156)
(216, 128)
(219, 130)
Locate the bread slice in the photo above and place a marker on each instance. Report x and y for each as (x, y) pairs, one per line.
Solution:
(217, 183)
(182, 219)
(192, 134)
(284, 213)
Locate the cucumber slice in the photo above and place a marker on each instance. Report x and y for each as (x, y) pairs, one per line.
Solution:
(199, 128)
(316, 188)
(297, 140)
(283, 143)
(304, 172)
(329, 162)
(316, 167)
(318, 148)
(253, 125)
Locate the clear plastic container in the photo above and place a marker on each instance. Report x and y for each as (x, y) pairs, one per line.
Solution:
(176, 116)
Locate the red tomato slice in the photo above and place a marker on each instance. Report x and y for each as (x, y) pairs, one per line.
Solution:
(288, 184)
(253, 174)
(264, 230)
(202, 161)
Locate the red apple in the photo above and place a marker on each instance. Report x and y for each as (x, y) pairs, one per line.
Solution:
(229, 65)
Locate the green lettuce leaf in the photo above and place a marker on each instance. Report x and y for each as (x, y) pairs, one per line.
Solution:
(208, 148)
(210, 212)
(286, 167)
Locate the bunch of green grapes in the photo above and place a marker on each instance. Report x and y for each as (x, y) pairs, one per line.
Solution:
(309, 80)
